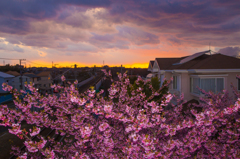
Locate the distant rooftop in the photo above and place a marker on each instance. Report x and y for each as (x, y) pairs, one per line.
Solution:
(30, 75)
(14, 73)
(44, 73)
(5, 75)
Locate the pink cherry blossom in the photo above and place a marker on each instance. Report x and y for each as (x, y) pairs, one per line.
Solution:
(103, 126)
(63, 78)
(108, 108)
(16, 129)
(35, 132)
(24, 156)
(31, 146)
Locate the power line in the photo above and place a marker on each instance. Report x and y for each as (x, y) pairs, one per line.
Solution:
(8, 59)
(63, 73)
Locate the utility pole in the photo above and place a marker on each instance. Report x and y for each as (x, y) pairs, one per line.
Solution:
(3, 63)
(209, 48)
(121, 69)
(75, 69)
(20, 61)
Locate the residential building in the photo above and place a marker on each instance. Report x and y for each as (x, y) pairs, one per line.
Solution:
(17, 84)
(33, 78)
(5, 78)
(44, 81)
(211, 72)
(150, 68)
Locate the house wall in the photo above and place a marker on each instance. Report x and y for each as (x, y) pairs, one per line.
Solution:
(34, 80)
(149, 67)
(185, 89)
(185, 84)
(155, 67)
(45, 81)
(16, 82)
(232, 79)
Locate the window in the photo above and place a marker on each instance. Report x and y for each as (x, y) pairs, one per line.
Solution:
(194, 82)
(39, 78)
(44, 85)
(208, 84)
(174, 82)
(239, 84)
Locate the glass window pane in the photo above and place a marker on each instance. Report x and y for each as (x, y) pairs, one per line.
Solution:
(238, 84)
(196, 82)
(208, 84)
(190, 84)
(220, 84)
(174, 82)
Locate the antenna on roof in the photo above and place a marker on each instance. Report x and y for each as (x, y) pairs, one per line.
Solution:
(209, 48)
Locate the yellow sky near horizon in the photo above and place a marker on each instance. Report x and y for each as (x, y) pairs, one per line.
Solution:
(71, 64)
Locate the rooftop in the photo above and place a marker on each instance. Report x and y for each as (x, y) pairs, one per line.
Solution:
(5, 75)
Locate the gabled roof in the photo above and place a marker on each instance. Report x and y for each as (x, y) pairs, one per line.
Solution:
(189, 58)
(214, 61)
(14, 73)
(152, 62)
(44, 74)
(165, 63)
(5, 75)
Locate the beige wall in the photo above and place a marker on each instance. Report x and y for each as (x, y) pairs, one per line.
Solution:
(232, 79)
(46, 81)
(34, 80)
(185, 84)
(227, 84)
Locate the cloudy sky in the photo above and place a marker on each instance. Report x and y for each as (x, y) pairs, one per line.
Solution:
(127, 32)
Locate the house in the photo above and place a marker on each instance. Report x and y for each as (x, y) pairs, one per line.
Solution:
(211, 72)
(150, 68)
(5, 78)
(19, 82)
(33, 78)
(44, 81)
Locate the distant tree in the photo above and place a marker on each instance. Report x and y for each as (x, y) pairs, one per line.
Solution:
(155, 82)
(132, 79)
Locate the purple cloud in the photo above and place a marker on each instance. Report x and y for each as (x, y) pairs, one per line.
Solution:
(99, 25)
(230, 51)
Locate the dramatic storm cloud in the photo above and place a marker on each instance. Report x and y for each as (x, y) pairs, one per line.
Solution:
(90, 31)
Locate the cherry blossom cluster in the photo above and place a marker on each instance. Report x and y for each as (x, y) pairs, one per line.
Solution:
(133, 127)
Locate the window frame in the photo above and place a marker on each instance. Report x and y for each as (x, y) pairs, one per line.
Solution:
(175, 82)
(205, 77)
(178, 82)
(238, 83)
